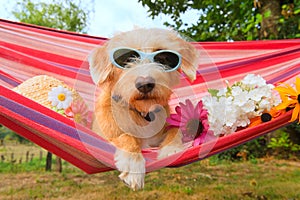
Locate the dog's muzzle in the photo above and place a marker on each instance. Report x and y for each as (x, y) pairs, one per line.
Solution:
(149, 116)
(144, 84)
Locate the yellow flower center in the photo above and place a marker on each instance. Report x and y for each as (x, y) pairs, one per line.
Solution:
(61, 96)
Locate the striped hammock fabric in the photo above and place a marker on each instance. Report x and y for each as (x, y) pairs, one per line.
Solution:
(28, 50)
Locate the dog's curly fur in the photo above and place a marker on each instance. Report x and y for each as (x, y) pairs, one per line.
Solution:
(121, 110)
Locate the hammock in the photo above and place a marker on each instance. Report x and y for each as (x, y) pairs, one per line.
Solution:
(28, 50)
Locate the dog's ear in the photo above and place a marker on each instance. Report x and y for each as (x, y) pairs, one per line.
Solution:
(100, 66)
(190, 58)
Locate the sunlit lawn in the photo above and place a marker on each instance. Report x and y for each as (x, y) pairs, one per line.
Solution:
(256, 179)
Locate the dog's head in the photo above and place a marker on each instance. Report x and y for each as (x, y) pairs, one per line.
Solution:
(140, 67)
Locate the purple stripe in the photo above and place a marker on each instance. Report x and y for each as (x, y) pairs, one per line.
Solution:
(53, 124)
(280, 77)
(9, 81)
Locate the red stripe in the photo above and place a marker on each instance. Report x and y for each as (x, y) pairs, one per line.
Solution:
(55, 32)
(14, 124)
(262, 56)
(248, 68)
(44, 55)
(9, 94)
(13, 120)
(248, 45)
(24, 59)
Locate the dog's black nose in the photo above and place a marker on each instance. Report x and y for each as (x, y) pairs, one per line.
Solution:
(144, 84)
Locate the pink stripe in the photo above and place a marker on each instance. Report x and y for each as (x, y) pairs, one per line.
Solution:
(21, 57)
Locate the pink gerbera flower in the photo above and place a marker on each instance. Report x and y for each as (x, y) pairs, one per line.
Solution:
(78, 111)
(192, 121)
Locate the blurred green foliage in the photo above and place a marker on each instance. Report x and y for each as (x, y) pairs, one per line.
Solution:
(7, 134)
(219, 20)
(58, 14)
(283, 145)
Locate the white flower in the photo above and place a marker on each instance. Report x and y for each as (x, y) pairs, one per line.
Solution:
(266, 90)
(235, 105)
(222, 92)
(222, 114)
(249, 106)
(256, 94)
(236, 90)
(209, 103)
(265, 104)
(216, 110)
(241, 98)
(253, 81)
(60, 97)
(242, 121)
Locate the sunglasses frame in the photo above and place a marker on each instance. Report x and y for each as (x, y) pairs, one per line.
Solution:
(144, 56)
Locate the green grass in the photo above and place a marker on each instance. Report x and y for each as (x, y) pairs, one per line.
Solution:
(272, 179)
(34, 165)
(211, 179)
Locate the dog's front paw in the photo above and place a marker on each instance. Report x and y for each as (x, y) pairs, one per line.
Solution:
(132, 168)
(170, 150)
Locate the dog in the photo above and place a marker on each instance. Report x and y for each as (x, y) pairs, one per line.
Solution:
(136, 71)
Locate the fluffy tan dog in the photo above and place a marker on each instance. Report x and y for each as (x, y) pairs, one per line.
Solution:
(136, 71)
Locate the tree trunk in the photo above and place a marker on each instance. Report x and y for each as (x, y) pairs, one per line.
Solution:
(58, 164)
(49, 161)
(269, 28)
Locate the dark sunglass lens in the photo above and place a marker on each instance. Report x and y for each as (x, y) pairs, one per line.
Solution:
(168, 59)
(124, 56)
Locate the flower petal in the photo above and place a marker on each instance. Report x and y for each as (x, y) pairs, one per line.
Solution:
(59, 105)
(175, 117)
(295, 114)
(173, 122)
(298, 85)
(203, 114)
(185, 114)
(189, 106)
(178, 110)
(286, 90)
(200, 105)
(284, 105)
(255, 121)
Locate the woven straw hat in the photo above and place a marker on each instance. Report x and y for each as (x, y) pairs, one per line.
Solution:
(38, 88)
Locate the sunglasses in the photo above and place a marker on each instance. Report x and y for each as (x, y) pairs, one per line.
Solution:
(168, 60)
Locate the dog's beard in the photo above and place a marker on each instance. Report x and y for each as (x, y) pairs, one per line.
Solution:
(140, 121)
(144, 106)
